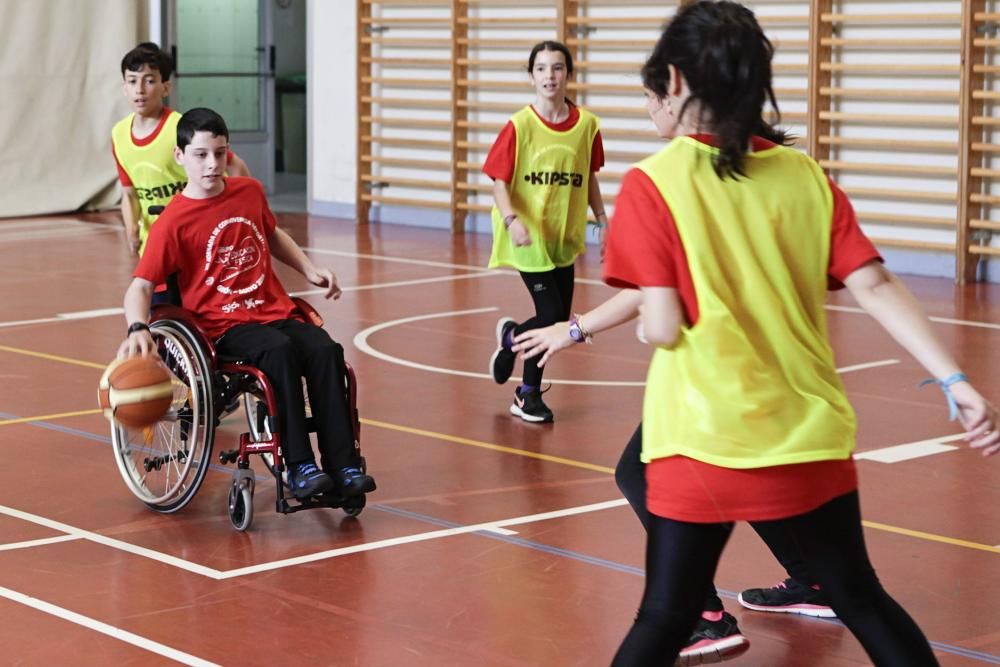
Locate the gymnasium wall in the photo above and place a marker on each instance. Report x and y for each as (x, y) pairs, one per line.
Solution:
(59, 70)
(888, 107)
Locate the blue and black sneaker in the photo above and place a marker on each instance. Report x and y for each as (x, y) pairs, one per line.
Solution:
(353, 482)
(306, 480)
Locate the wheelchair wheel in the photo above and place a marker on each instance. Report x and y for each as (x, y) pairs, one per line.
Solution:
(354, 505)
(164, 464)
(240, 506)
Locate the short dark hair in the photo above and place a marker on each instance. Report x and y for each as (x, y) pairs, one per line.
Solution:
(551, 45)
(199, 119)
(150, 54)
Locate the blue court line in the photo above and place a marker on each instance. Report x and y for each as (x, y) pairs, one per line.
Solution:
(638, 571)
(987, 658)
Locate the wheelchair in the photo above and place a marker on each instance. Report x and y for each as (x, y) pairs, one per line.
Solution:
(164, 464)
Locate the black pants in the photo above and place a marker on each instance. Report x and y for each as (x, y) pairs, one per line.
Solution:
(681, 559)
(630, 474)
(552, 292)
(287, 351)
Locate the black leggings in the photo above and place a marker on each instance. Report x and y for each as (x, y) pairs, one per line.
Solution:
(681, 559)
(552, 292)
(630, 474)
(287, 351)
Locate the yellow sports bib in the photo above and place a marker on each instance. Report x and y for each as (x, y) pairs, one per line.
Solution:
(549, 193)
(753, 382)
(156, 176)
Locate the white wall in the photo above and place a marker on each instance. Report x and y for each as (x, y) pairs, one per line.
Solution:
(331, 62)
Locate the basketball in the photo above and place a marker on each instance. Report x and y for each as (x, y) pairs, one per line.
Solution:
(135, 392)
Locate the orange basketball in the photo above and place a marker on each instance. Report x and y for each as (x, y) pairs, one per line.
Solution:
(135, 392)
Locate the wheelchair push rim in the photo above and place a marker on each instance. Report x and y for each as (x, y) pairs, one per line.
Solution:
(164, 464)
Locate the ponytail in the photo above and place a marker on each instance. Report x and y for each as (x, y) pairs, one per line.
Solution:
(726, 60)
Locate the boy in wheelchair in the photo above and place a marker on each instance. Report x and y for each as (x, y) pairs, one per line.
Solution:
(218, 237)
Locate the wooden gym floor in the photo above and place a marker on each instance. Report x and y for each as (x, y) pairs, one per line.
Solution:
(489, 541)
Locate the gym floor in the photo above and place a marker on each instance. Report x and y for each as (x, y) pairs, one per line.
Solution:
(489, 541)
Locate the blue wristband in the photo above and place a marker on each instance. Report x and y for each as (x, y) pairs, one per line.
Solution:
(944, 384)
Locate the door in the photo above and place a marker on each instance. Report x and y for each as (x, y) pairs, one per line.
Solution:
(224, 56)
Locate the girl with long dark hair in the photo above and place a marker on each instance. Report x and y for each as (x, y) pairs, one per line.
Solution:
(731, 238)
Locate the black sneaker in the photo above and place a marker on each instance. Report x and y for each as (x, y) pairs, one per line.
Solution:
(530, 407)
(306, 480)
(713, 641)
(788, 597)
(353, 482)
(502, 361)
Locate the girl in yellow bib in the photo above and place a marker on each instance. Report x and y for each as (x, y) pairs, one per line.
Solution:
(731, 238)
(544, 165)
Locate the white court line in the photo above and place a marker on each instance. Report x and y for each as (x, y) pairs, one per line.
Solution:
(400, 283)
(500, 531)
(422, 537)
(38, 543)
(106, 312)
(105, 629)
(909, 450)
(431, 263)
(111, 542)
(491, 526)
(361, 343)
(940, 320)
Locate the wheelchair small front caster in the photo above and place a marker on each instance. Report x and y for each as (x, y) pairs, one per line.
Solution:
(354, 505)
(241, 506)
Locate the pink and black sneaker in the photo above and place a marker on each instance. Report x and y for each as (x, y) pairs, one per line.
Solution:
(788, 597)
(716, 638)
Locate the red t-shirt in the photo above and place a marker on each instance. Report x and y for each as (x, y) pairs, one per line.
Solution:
(218, 247)
(499, 164)
(644, 249)
(123, 176)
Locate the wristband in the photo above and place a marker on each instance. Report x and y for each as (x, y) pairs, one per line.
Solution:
(509, 219)
(944, 384)
(577, 332)
(137, 326)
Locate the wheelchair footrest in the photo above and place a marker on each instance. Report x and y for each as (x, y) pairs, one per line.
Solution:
(229, 456)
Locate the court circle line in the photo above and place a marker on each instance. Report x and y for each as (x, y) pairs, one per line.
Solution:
(361, 342)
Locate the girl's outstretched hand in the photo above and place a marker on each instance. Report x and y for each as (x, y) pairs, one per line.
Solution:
(546, 342)
(978, 417)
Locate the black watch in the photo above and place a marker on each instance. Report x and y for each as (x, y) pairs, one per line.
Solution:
(137, 326)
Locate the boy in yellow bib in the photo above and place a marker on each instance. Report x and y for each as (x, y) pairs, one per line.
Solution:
(544, 165)
(143, 143)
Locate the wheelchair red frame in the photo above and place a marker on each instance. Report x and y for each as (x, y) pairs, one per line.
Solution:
(208, 389)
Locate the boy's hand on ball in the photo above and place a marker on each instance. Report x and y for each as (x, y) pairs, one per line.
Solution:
(138, 344)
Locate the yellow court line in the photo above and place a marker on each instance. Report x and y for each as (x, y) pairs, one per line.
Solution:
(45, 418)
(590, 466)
(931, 536)
(490, 446)
(51, 357)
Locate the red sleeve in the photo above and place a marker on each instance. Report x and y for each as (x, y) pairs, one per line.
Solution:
(122, 176)
(499, 164)
(597, 154)
(159, 260)
(850, 249)
(644, 248)
(269, 221)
